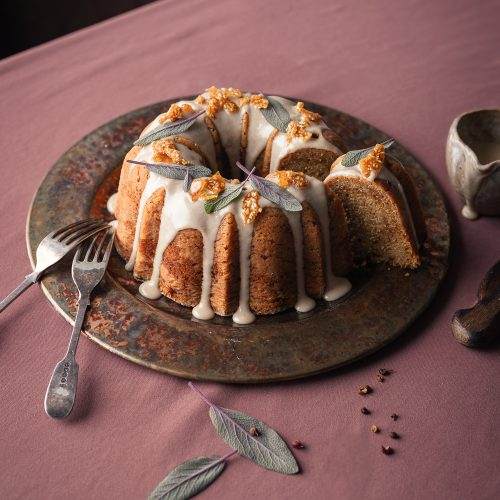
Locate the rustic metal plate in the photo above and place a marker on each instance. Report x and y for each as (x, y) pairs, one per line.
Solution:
(163, 336)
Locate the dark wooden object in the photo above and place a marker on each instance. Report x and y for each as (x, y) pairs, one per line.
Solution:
(479, 325)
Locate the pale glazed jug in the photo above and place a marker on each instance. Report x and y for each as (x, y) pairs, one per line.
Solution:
(473, 159)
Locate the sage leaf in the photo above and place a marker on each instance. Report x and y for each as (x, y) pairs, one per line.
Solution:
(189, 478)
(276, 114)
(231, 193)
(352, 158)
(188, 179)
(272, 191)
(174, 171)
(276, 194)
(169, 129)
(267, 449)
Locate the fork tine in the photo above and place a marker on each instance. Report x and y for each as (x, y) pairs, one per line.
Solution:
(91, 246)
(66, 236)
(89, 230)
(109, 247)
(58, 232)
(78, 254)
(85, 235)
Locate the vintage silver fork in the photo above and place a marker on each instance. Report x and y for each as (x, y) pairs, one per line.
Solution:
(52, 249)
(87, 271)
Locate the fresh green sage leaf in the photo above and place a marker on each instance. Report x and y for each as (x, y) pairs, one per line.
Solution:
(189, 478)
(352, 158)
(231, 193)
(276, 114)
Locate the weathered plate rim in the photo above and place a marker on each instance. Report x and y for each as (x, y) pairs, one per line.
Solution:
(185, 374)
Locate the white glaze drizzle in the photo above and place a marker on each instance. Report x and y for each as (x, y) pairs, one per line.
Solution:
(111, 203)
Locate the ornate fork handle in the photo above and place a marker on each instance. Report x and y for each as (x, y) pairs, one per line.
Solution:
(61, 392)
(23, 286)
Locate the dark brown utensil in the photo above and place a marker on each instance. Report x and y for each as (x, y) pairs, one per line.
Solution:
(479, 325)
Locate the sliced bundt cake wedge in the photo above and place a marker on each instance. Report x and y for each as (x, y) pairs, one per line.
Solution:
(382, 226)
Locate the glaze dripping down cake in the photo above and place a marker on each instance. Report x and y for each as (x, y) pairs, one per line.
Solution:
(223, 206)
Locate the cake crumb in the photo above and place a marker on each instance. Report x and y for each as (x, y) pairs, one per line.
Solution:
(375, 429)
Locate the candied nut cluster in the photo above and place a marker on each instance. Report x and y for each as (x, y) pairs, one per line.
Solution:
(257, 100)
(208, 188)
(176, 112)
(222, 98)
(297, 129)
(373, 162)
(165, 151)
(219, 99)
(289, 177)
(250, 206)
(308, 117)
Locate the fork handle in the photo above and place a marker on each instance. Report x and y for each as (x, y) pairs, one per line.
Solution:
(61, 391)
(24, 285)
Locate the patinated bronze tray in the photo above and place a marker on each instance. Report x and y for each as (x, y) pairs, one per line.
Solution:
(163, 336)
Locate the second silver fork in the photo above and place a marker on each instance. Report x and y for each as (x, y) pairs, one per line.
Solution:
(87, 270)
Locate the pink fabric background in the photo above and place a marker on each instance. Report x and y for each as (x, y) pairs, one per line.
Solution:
(407, 67)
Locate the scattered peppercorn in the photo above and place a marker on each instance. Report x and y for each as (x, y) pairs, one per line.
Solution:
(254, 431)
(394, 435)
(385, 371)
(365, 411)
(299, 445)
(394, 416)
(375, 429)
(387, 450)
(380, 378)
(364, 390)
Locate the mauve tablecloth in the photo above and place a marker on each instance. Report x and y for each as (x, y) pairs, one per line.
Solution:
(408, 68)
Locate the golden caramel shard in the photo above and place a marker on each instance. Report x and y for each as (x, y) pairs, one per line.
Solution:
(257, 100)
(219, 99)
(176, 112)
(250, 207)
(288, 178)
(165, 151)
(307, 117)
(208, 188)
(373, 162)
(297, 130)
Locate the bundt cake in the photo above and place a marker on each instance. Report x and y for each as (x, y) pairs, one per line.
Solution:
(273, 237)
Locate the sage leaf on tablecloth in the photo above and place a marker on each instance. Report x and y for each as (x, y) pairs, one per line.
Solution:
(273, 192)
(230, 193)
(174, 171)
(189, 478)
(276, 114)
(169, 129)
(266, 448)
(352, 158)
